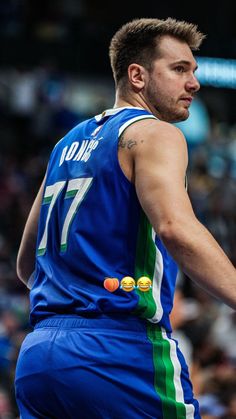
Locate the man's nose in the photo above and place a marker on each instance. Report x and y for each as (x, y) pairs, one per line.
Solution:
(192, 84)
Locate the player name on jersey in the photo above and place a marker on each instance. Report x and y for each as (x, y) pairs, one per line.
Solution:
(78, 151)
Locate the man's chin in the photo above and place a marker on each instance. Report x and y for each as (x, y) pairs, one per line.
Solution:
(181, 116)
(173, 116)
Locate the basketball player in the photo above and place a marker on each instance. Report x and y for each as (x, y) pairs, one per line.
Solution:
(114, 204)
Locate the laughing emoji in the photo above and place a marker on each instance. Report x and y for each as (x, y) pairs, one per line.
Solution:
(144, 284)
(127, 283)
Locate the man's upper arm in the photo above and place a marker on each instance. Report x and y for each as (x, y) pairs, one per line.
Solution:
(160, 162)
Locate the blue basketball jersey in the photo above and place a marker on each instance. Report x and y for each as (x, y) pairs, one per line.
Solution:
(92, 227)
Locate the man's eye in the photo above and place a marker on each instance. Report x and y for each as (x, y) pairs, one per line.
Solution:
(180, 69)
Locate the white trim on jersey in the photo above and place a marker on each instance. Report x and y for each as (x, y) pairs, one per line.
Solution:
(135, 119)
(157, 283)
(113, 111)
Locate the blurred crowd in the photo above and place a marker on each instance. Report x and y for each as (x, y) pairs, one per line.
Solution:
(37, 107)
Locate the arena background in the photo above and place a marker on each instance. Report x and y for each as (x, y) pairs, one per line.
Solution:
(54, 71)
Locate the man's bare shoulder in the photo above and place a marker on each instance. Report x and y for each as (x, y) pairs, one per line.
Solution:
(151, 133)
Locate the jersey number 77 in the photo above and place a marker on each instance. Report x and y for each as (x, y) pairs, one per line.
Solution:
(76, 189)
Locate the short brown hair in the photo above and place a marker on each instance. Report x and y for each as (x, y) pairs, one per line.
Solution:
(136, 41)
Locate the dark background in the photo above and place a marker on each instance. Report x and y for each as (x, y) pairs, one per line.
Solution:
(76, 33)
(72, 36)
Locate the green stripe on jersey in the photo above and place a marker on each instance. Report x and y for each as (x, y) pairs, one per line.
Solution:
(71, 194)
(166, 379)
(47, 200)
(145, 266)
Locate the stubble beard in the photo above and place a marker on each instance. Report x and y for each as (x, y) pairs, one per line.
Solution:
(166, 107)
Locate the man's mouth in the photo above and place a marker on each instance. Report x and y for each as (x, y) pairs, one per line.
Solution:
(187, 99)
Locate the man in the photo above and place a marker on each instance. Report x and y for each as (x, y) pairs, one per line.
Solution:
(114, 204)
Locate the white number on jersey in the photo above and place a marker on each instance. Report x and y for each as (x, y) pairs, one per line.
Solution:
(76, 189)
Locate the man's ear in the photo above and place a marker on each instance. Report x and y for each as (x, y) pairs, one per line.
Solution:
(136, 76)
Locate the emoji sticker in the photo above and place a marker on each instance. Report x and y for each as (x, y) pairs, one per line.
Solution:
(127, 283)
(111, 284)
(144, 284)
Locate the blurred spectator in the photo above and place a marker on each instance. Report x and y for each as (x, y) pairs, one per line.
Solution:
(223, 331)
(6, 411)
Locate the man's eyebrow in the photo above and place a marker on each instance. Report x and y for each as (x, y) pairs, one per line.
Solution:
(185, 62)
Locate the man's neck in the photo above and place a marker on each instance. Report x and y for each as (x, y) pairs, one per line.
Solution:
(134, 100)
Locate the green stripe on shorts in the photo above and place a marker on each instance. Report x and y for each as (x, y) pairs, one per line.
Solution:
(164, 374)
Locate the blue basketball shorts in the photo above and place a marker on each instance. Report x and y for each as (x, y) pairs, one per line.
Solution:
(102, 368)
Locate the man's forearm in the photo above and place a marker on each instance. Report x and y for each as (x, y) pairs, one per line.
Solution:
(26, 259)
(25, 264)
(201, 259)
